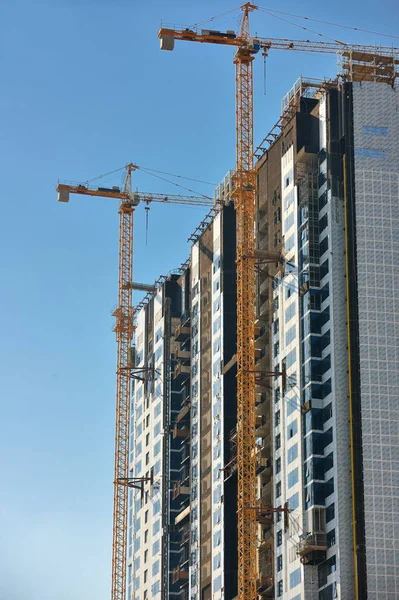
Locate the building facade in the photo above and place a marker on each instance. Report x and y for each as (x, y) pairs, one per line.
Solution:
(328, 202)
(327, 424)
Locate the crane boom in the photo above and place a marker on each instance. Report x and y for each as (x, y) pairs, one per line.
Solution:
(65, 189)
(124, 329)
(168, 35)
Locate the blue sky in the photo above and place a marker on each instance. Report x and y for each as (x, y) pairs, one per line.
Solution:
(85, 89)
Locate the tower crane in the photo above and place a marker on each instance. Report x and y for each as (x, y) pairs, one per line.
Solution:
(361, 62)
(124, 329)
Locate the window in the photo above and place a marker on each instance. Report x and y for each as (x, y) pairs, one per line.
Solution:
(292, 453)
(279, 562)
(155, 588)
(330, 512)
(292, 429)
(217, 539)
(277, 418)
(324, 269)
(145, 575)
(147, 458)
(276, 394)
(156, 527)
(277, 466)
(330, 486)
(147, 439)
(146, 536)
(289, 243)
(279, 538)
(155, 568)
(217, 584)
(157, 448)
(290, 358)
(278, 489)
(323, 245)
(323, 223)
(295, 578)
(293, 502)
(277, 441)
(290, 335)
(156, 547)
(290, 312)
(279, 589)
(289, 221)
(146, 516)
(331, 538)
(157, 429)
(293, 477)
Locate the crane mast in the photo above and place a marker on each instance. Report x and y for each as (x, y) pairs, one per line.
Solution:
(124, 329)
(245, 194)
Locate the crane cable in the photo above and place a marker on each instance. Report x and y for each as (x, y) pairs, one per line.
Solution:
(328, 23)
(327, 37)
(176, 184)
(214, 18)
(153, 173)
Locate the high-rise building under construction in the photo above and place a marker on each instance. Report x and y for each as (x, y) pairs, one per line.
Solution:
(327, 371)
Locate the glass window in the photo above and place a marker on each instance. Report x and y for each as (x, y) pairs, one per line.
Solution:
(277, 418)
(277, 466)
(279, 562)
(323, 245)
(279, 538)
(292, 453)
(295, 578)
(279, 589)
(293, 477)
(290, 335)
(157, 448)
(277, 441)
(329, 486)
(330, 512)
(291, 358)
(290, 312)
(155, 568)
(292, 429)
(217, 584)
(156, 527)
(293, 502)
(331, 538)
(278, 489)
(156, 547)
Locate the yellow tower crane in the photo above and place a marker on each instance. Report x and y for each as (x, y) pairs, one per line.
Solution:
(124, 328)
(360, 63)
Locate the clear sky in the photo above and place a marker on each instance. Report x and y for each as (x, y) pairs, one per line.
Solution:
(84, 90)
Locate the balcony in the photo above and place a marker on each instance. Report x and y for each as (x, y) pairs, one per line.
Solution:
(183, 515)
(183, 412)
(265, 587)
(263, 309)
(312, 548)
(181, 432)
(180, 489)
(179, 574)
(182, 332)
(183, 356)
(182, 372)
